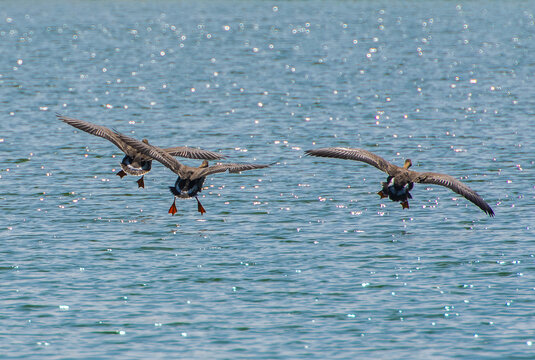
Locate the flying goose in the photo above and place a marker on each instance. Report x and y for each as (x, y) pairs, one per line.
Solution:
(134, 162)
(190, 179)
(400, 180)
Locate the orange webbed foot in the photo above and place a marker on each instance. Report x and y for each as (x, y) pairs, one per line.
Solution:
(200, 208)
(121, 173)
(382, 194)
(405, 204)
(172, 209)
(141, 183)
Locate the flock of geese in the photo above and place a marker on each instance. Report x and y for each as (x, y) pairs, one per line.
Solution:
(139, 155)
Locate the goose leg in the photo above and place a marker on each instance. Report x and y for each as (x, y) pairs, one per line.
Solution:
(121, 173)
(405, 204)
(141, 183)
(172, 209)
(382, 194)
(200, 208)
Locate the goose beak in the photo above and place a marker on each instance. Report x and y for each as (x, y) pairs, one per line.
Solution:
(121, 173)
(172, 209)
(140, 182)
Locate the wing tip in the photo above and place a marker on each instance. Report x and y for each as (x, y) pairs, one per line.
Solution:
(315, 152)
(61, 117)
(218, 156)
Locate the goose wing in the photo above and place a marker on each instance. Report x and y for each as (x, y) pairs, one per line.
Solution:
(154, 152)
(193, 153)
(355, 154)
(94, 129)
(231, 167)
(453, 184)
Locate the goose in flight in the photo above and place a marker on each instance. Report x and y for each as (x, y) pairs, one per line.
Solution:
(190, 179)
(134, 162)
(401, 180)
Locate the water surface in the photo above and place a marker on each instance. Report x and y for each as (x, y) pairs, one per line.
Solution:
(301, 260)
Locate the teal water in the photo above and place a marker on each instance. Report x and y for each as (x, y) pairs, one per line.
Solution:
(298, 261)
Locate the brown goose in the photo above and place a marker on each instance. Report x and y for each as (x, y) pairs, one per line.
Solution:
(190, 179)
(400, 180)
(134, 162)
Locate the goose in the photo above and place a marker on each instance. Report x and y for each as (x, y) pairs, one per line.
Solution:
(400, 180)
(190, 179)
(135, 163)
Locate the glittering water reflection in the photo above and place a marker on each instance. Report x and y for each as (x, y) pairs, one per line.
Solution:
(299, 261)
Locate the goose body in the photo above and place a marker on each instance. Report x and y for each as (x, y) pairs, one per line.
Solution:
(400, 180)
(190, 179)
(134, 162)
(396, 193)
(186, 188)
(135, 165)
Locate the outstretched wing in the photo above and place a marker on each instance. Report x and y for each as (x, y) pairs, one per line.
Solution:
(153, 152)
(232, 168)
(354, 154)
(455, 185)
(94, 129)
(193, 153)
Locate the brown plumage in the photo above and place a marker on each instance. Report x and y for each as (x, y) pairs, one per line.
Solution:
(190, 179)
(400, 179)
(136, 163)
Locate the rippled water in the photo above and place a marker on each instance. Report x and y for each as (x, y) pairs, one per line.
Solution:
(301, 260)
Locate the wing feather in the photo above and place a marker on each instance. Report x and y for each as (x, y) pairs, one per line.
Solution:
(231, 167)
(94, 129)
(455, 185)
(193, 153)
(354, 154)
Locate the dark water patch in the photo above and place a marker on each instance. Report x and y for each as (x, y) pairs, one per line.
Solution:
(7, 268)
(155, 248)
(397, 80)
(33, 307)
(110, 332)
(178, 323)
(210, 280)
(40, 316)
(447, 264)
(276, 280)
(289, 241)
(242, 328)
